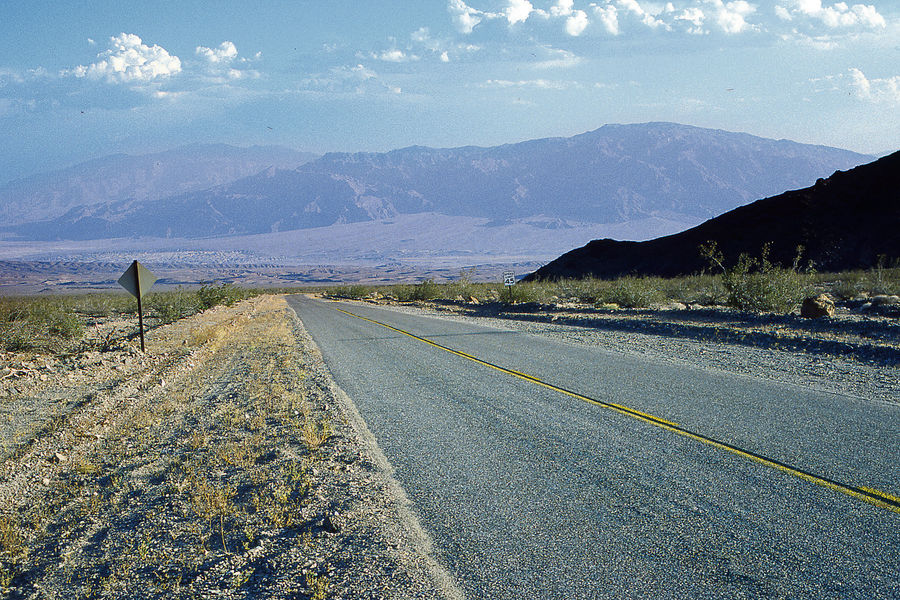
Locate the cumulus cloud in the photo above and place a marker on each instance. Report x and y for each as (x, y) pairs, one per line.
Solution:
(562, 8)
(609, 18)
(518, 11)
(225, 53)
(694, 17)
(646, 17)
(886, 90)
(576, 20)
(837, 15)
(464, 17)
(732, 16)
(128, 59)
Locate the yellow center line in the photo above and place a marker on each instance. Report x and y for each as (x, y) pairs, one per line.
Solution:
(866, 494)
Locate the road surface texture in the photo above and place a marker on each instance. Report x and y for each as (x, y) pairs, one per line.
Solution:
(695, 484)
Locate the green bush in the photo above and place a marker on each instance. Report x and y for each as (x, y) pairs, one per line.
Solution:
(758, 285)
(635, 292)
(521, 292)
(28, 324)
(427, 290)
(882, 279)
(170, 306)
(227, 294)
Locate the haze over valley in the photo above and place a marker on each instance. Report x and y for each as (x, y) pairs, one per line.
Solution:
(409, 213)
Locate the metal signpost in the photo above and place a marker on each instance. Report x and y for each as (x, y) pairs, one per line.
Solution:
(137, 280)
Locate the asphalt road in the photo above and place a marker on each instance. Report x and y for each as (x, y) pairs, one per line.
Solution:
(529, 492)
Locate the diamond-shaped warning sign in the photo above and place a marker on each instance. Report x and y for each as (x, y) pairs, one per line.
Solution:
(137, 279)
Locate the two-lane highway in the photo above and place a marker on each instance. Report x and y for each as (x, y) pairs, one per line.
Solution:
(548, 470)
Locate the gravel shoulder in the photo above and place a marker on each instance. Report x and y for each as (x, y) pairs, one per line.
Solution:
(223, 463)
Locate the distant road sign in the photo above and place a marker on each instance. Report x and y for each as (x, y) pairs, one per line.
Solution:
(509, 278)
(137, 279)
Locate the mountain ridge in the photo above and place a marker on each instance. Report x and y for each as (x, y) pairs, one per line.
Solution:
(145, 177)
(611, 176)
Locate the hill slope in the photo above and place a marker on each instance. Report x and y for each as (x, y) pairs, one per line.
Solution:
(843, 222)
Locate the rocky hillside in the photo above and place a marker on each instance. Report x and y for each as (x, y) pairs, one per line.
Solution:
(844, 222)
(614, 175)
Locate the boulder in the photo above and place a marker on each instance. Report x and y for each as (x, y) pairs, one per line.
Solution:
(816, 307)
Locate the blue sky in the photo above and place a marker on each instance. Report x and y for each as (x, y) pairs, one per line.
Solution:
(80, 80)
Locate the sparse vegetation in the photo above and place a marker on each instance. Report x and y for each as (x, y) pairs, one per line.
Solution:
(752, 284)
(183, 485)
(58, 324)
(756, 284)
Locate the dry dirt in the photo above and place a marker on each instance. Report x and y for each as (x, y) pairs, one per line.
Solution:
(222, 463)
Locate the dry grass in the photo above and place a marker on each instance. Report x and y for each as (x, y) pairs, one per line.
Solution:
(188, 481)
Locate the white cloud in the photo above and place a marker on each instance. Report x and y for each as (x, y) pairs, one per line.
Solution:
(576, 23)
(694, 17)
(732, 16)
(609, 17)
(834, 16)
(445, 57)
(562, 8)
(544, 84)
(226, 52)
(558, 59)
(128, 59)
(464, 17)
(647, 18)
(518, 11)
(395, 55)
(885, 90)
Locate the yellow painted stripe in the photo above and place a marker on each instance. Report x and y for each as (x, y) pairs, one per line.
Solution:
(866, 494)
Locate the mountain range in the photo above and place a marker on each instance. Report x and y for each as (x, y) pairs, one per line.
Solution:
(670, 176)
(121, 178)
(850, 220)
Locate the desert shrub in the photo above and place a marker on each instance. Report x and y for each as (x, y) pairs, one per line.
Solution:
(170, 306)
(427, 290)
(461, 287)
(635, 292)
(357, 292)
(847, 286)
(882, 279)
(227, 294)
(102, 305)
(521, 292)
(32, 323)
(758, 285)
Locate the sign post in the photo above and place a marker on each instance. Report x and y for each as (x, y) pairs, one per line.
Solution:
(137, 280)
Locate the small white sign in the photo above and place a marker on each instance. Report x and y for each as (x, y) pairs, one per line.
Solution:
(509, 278)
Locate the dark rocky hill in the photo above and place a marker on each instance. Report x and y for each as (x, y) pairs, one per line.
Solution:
(844, 222)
